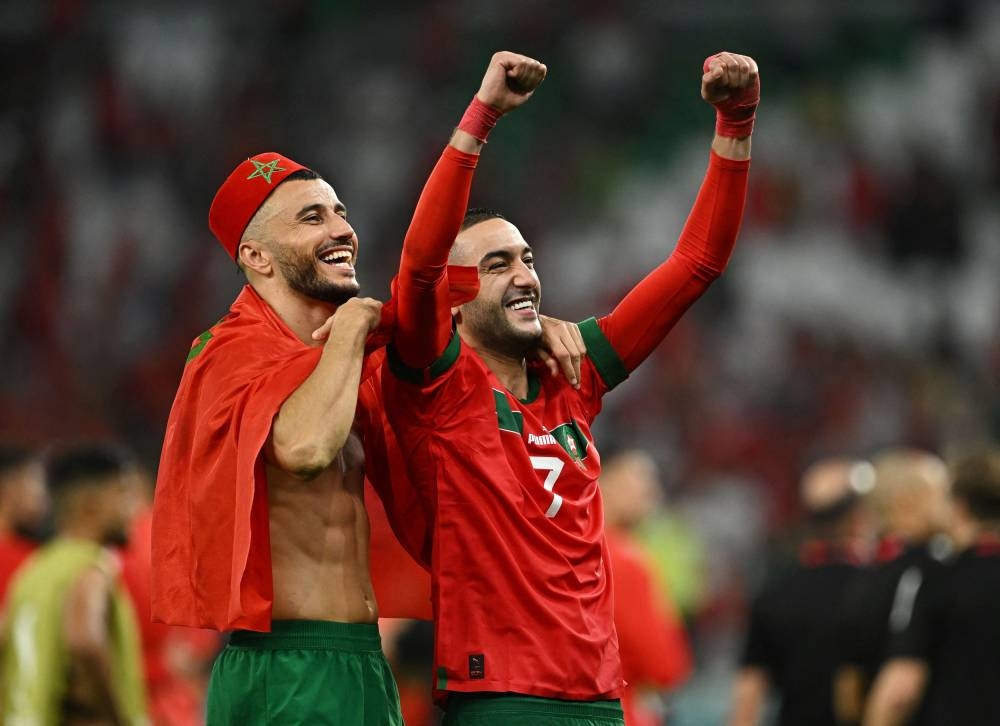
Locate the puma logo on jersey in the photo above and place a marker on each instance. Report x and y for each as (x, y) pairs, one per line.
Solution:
(543, 440)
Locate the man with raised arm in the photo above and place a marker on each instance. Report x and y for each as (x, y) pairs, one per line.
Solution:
(503, 456)
(259, 521)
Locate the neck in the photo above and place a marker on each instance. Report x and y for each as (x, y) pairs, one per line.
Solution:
(80, 530)
(511, 370)
(301, 314)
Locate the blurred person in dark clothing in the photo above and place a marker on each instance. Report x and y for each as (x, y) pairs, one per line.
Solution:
(911, 502)
(651, 636)
(71, 652)
(794, 623)
(23, 507)
(943, 666)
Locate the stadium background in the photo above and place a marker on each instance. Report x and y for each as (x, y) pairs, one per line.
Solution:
(861, 308)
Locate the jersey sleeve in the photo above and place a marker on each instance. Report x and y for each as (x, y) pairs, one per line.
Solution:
(644, 317)
(423, 326)
(913, 625)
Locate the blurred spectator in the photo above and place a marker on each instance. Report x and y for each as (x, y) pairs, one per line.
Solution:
(71, 641)
(651, 637)
(176, 661)
(23, 509)
(911, 502)
(794, 627)
(944, 660)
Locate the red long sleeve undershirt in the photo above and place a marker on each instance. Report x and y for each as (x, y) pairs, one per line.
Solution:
(640, 321)
(423, 323)
(644, 317)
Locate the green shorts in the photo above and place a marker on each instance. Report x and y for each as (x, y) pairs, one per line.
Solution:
(304, 672)
(503, 709)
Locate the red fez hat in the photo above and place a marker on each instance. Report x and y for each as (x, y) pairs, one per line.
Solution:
(241, 195)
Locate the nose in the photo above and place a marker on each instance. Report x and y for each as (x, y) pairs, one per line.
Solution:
(524, 276)
(340, 229)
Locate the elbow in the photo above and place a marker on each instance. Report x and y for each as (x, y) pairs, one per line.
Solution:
(306, 459)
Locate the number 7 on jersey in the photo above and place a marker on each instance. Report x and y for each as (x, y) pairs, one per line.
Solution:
(554, 468)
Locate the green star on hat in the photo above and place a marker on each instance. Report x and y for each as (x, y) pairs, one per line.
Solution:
(264, 170)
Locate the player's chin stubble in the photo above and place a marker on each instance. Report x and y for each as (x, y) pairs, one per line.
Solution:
(488, 322)
(300, 273)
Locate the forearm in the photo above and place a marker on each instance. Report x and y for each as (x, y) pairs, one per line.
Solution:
(96, 663)
(644, 317)
(312, 425)
(732, 148)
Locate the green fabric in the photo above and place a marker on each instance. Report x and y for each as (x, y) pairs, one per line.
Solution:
(507, 418)
(36, 661)
(420, 376)
(604, 357)
(304, 672)
(481, 709)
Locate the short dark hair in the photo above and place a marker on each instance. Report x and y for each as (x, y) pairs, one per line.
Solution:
(976, 481)
(301, 175)
(475, 215)
(13, 457)
(85, 464)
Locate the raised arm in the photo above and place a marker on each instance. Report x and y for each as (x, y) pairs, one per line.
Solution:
(423, 323)
(644, 317)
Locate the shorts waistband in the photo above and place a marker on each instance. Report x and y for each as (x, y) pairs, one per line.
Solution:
(475, 703)
(311, 635)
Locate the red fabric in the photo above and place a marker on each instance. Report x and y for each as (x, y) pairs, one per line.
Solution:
(210, 539)
(734, 117)
(644, 317)
(654, 645)
(479, 119)
(428, 241)
(241, 195)
(14, 551)
(527, 591)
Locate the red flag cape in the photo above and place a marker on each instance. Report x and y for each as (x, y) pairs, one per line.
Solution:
(210, 541)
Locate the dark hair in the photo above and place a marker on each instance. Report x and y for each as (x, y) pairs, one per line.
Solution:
(301, 175)
(977, 482)
(85, 464)
(479, 214)
(13, 457)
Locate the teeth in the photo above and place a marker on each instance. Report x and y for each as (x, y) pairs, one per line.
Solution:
(521, 305)
(336, 256)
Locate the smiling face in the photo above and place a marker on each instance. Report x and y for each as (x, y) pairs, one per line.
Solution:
(301, 235)
(504, 316)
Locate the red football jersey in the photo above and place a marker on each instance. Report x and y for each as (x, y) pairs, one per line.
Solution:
(521, 584)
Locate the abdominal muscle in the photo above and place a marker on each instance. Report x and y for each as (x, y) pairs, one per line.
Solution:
(319, 543)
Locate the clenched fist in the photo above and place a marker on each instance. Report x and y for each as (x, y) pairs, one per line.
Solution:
(510, 80)
(731, 83)
(357, 313)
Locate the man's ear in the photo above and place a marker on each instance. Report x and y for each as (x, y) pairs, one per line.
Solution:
(254, 256)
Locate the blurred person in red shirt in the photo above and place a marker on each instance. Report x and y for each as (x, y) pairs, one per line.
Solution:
(654, 645)
(24, 505)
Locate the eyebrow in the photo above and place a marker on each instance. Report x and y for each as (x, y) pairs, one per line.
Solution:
(338, 207)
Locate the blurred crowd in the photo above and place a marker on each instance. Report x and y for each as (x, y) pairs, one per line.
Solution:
(860, 310)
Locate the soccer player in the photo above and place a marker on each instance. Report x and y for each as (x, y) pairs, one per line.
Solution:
(503, 455)
(71, 640)
(259, 518)
(943, 664)
(910, 499)
(23, 506)
(794, 624)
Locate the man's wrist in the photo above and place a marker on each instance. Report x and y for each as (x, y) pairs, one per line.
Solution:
(479, 119)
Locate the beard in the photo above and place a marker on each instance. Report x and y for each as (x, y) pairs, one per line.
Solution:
(300, 273)
(488, 322)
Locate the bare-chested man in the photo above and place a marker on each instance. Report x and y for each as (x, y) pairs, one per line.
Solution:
(259, 520)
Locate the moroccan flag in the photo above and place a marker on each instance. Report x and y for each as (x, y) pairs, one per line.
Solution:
(210, 542)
